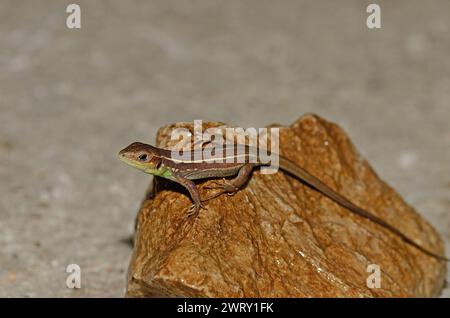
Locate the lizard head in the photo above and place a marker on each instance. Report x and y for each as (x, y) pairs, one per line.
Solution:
(143, 157)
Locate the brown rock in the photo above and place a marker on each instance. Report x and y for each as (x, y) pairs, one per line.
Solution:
(280, 238)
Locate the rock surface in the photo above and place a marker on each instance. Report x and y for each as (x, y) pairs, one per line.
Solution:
(280, 238)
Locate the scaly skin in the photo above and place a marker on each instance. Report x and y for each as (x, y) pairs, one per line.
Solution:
(159, 162)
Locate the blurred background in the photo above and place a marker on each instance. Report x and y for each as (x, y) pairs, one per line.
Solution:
(70, 99)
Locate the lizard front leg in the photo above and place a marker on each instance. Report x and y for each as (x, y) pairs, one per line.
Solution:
(231, 187)
(193, 192)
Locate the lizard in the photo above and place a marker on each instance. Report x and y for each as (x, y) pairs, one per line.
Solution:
(160, 162)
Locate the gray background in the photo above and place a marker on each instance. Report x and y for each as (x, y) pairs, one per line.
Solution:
(70, 99)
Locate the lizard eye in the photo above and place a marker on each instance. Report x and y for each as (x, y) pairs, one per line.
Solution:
(143, 157)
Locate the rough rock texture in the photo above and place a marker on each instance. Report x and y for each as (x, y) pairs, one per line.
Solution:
(280, 238)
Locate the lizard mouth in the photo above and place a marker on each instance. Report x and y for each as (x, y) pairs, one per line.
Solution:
(131, 162)
(146, 167)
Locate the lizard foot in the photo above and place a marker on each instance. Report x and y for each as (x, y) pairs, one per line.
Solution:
(194, 210)
(225, 186)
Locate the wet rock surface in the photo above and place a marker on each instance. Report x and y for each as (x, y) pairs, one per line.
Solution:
(278, 237)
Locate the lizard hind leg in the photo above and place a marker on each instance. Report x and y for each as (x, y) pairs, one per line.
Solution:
(226, 186)
(233, 186)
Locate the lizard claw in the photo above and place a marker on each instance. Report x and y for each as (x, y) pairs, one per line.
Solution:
(229, 188)
(226, 186)
(194, 209)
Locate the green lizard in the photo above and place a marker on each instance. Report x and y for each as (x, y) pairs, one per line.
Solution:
(161, 163)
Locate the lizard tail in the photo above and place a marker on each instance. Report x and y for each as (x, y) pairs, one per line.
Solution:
(293, 169)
